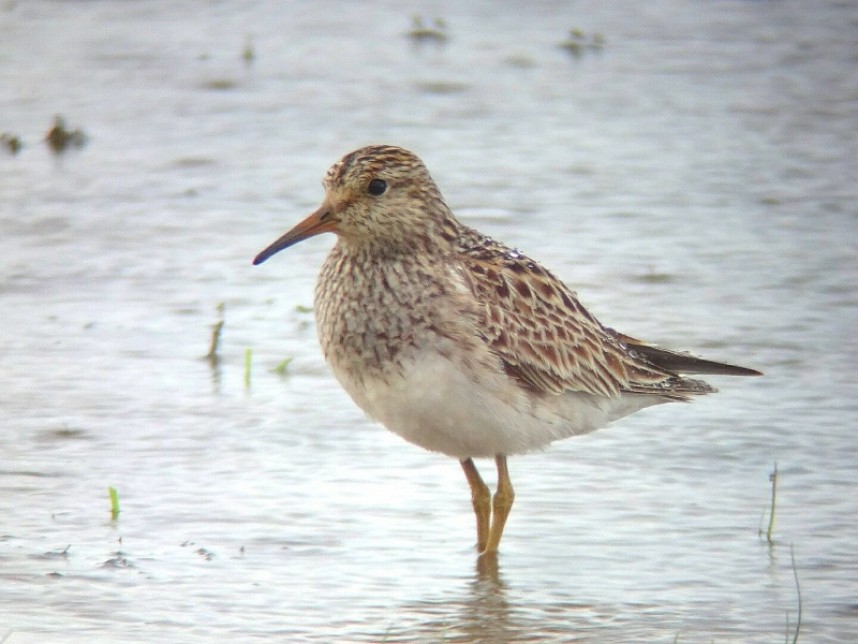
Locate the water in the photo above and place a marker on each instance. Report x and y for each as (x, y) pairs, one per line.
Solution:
(694, 181)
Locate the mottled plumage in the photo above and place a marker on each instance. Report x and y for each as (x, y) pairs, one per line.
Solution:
(458, 343)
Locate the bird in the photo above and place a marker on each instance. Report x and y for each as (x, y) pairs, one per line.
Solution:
(463, 345)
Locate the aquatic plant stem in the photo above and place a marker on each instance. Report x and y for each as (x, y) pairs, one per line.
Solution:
(773, 477)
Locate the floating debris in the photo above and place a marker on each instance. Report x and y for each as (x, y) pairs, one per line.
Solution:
(194, 162)
(441, 87)
(208, 555)
(578, 43)
(420, 33)
(220, 84)
(520, 61)
(118, 561)
(653, 276)
(248, 54)
(12, 142)
(59, 138)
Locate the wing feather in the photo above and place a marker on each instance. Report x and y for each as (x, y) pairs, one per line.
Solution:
(545, 337)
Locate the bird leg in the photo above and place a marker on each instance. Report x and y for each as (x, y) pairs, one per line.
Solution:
(481, 500)
(501, 505)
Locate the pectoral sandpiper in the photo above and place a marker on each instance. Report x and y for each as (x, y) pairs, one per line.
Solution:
(460, 344)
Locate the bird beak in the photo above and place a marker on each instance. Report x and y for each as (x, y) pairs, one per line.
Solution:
(317, 223)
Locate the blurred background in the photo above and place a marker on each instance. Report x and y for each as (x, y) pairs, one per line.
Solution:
(688, 167)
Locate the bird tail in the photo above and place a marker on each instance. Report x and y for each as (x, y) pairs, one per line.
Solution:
(679, 362)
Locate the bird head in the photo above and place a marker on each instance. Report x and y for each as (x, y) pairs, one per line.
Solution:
(380, 196)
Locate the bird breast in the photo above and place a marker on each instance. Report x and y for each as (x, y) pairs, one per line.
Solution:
(374, 314)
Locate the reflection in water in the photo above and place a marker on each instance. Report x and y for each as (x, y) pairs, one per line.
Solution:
(217, 374)
(213, 355)
(480, 613)
(486, 609)
(485, 613)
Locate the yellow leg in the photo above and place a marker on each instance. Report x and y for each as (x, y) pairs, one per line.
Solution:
(501, 505)
(481, 500)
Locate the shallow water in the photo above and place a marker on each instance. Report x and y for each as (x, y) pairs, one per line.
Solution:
(695, 182)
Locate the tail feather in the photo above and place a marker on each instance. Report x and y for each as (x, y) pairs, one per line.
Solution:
(679, 362)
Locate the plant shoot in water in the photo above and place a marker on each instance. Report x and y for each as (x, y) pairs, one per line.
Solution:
(114, 503)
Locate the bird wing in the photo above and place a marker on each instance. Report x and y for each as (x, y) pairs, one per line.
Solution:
(545, 337)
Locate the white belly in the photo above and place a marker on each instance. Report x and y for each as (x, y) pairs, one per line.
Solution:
(433, 404)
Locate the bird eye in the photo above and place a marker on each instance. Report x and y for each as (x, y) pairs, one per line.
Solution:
(377, 187)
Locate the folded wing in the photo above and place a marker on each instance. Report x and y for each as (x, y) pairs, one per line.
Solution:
(557, 345)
